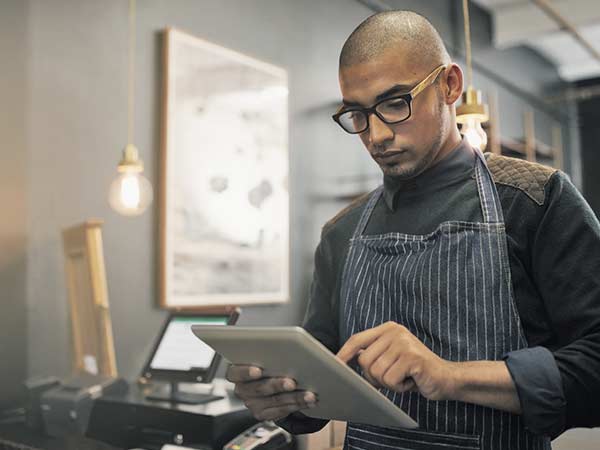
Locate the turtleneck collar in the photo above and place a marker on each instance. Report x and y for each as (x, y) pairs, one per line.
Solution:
(458, 164)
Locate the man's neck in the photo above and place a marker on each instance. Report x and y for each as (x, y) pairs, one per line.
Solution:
(452, 142)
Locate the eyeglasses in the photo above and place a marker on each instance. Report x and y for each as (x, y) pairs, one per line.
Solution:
(391, 110)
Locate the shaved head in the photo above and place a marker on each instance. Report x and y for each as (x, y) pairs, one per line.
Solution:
(407, 31)
(385, 57)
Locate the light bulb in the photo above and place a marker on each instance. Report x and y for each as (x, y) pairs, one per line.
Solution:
(130, 193)
(472, 130)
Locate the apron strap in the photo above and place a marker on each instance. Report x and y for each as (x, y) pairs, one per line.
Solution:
(366, 215)
(488, 195)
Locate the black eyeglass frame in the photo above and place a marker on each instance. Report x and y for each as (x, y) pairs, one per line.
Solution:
(407, 97)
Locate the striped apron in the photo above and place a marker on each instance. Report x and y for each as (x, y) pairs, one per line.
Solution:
(452, 289)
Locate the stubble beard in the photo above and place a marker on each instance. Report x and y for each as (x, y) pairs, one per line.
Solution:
(406, 172)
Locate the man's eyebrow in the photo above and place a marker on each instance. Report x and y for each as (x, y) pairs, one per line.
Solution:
(396, 89)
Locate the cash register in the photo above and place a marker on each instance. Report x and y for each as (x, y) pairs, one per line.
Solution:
(178, 401)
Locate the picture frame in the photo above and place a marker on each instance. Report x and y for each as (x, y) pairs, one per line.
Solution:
(224, 200)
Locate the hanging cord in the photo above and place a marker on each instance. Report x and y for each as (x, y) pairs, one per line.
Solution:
(467, 23)
(131, 81)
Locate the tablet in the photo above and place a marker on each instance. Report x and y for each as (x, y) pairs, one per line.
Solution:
(292, 352)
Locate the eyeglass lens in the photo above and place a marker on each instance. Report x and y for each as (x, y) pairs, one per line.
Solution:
(391, 111)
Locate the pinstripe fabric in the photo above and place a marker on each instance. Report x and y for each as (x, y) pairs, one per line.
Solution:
(452, 289)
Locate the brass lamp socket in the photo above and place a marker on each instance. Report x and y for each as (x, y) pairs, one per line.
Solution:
(131, 161)
(472, 107)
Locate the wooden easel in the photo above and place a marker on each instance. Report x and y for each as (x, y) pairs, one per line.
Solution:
(91, 328)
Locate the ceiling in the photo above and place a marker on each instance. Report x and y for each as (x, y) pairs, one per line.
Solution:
(522, 22)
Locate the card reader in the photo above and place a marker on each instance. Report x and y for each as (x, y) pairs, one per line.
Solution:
(262, 436)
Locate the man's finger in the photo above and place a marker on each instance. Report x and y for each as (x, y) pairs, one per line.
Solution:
(303, 399)
(409, 385)
(367, 357)
(371, 380)
(397, 377)
(384, 362)
(265, 387)
(279, 413)
(238, 373)
(359, 341)
(285, 405)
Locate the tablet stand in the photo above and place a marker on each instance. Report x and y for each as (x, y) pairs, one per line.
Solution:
(176, 396)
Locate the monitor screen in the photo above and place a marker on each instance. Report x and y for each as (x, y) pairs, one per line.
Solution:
(178, 355)
(179, 349)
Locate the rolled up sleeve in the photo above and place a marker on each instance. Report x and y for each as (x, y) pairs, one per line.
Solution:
(539, 387)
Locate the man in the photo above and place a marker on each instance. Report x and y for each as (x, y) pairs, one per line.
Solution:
(466, 288)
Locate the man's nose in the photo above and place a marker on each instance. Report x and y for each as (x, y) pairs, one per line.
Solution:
(379, 131)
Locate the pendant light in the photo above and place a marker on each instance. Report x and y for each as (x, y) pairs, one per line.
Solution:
(130, 193)
(472, 112)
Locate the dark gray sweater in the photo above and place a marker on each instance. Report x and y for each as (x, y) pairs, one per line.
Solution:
(554, 254)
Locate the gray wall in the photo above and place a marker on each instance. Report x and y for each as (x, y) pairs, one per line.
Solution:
(75, 122)
(77, 128)
(589, 117)
(13, 189)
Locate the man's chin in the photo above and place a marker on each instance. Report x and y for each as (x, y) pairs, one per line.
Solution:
(397, 170)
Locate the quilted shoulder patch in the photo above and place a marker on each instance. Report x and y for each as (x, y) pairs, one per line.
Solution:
(529, 177)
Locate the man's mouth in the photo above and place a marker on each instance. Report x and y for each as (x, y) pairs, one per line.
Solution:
(388, 154)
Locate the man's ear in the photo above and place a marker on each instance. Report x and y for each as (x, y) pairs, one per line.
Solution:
(453, 88)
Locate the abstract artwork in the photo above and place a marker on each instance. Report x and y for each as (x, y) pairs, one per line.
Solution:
(224, 211)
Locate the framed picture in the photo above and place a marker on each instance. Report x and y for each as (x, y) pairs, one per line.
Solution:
(224, 200)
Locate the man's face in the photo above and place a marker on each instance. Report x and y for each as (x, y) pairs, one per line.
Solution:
(404, 149)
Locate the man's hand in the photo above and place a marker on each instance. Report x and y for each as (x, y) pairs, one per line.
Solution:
(392, 357)
(268, 398)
